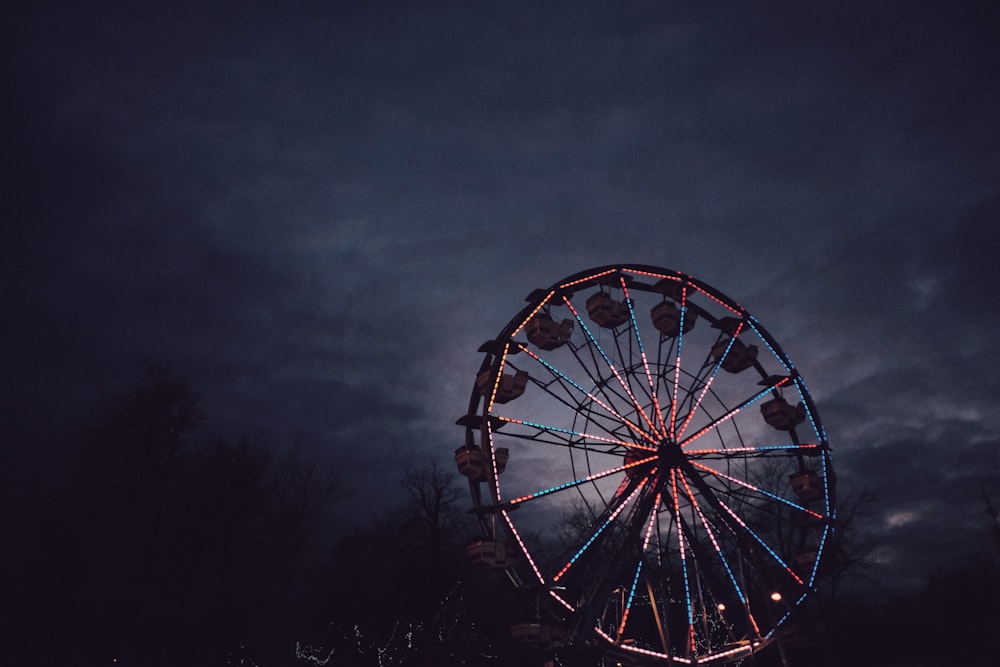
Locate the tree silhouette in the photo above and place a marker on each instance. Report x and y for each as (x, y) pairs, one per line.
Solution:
(399, 589)
(169, 546)
(128, 459)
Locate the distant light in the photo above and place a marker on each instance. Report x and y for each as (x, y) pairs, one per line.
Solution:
(722, 606)
(776, 596)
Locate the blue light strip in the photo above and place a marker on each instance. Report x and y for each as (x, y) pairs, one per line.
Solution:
(677, 364)
(747, 485)
(803, 391)
(708, 384)
(555, 371)
(806, 448)
(586, 330)
(819, 553)
(631, 596)
(645, 361)
(787, 363)
(750, 401)
(579, 434)
(611, 366)
(607, 522)
(680, 543)
(578, 482)
(715, 543)
(760, 541)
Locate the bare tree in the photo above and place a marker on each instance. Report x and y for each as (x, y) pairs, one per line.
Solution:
(128, 461)
(433, 503)
(302, 488)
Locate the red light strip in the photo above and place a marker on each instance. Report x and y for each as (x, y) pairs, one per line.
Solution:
(718, 364)
(524, 549)
(732, 413)
(635, 403)
(751, 450)
(713, 658)
(592, 277)
(496, 380)
(496, 475)
(614, 370)
(649, 274)
(759, 490)
(677, 367)
(764, 544)
(607, 522)
(635, 427)
(720, 301)
(533, 313)
(645, 364)
(692, 647)
(718, 550)
(640, 651)
(582, 480)
(652, 520)
(585, 436)
(561, 601)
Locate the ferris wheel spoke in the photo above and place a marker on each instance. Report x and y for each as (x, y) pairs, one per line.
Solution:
(677, 365)
(651, 524)
(757, 489)
(592, 536)
(524, 549)
(583, 480)
(757, 538)
(610, 364)
(733, 412)
(736, 524)
(662, 427)
(782, 359)
(707, 582)
(716, 545)
(568, 437)
(707, 384)
(681, 539)
(635, 428)
(808, 449)
(571, 389)
(627, 609)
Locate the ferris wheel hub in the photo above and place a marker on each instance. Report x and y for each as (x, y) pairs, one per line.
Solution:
(670, 453)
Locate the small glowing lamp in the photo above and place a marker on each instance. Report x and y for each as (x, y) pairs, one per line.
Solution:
(776, 596)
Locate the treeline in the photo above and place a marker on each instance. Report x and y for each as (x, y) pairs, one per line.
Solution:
(167, 546)
(951, 620)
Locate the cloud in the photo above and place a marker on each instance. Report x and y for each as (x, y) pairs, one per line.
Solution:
(320, 218)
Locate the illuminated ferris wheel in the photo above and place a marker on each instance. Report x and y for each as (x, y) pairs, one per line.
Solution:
(646, 460)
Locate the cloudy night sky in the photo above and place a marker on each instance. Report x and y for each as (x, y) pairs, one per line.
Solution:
(317, 213)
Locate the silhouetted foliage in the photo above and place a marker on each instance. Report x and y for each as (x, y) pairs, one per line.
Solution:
(171, 547)
(167, 545)
(950, 622)
(399, 589)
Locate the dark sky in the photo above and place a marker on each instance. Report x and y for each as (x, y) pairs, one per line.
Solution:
(317, 214)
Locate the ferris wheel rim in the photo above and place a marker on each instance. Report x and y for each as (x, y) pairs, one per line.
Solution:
(496, 508)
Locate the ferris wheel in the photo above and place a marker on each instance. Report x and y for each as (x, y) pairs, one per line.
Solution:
(645, 459)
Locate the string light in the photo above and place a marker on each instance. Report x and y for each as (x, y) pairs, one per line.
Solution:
(645, 364)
